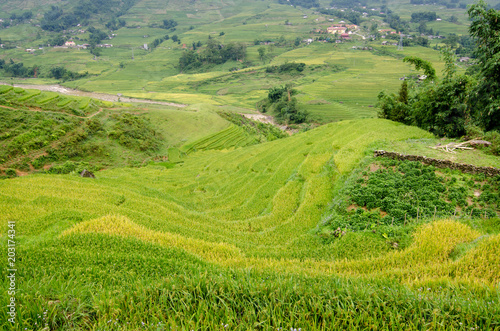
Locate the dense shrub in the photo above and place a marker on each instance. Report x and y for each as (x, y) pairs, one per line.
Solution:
(402, 190)
(135, 132)
(281, 102)
(214, 53)
(288, 67)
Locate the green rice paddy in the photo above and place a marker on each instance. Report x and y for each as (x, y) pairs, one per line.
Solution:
(212, 230)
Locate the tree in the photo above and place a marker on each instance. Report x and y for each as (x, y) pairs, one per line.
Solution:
(429, 70)
(451, 40)
(281, 101)
(485, 28)
(169, 24)
(449, 66)
(262, 53)
(403, 93)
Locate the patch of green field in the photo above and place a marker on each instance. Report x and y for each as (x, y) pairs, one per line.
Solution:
(224, 216)
(423, 147)
(43, 129)
(232, 137)
(49, 101)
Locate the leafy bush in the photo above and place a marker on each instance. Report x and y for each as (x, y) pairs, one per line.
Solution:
(280, 100)
(72, 166)
(135, 132)
(403, 190)
(214, 53)
(286, 68)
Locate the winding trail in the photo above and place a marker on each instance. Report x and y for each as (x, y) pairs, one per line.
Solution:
(95, 95)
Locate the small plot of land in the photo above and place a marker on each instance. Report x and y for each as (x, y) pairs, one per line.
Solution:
(424, 147)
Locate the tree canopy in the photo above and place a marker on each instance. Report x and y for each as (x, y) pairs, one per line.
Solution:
(459, 104)
(485, 28)
(429, 70)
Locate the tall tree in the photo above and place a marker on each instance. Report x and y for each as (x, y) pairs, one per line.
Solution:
(485, 28)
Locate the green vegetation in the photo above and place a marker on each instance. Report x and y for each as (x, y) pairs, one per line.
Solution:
(200, 218)
(49, 101)
(231, 137)
(460, 104)
(397, 193)
(214, 53)
(234, 227)
(287, 68)
(261, 131)
(132, 132)
(33, 141)
(281, 102)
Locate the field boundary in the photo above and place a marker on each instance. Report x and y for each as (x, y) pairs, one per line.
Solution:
(467, 168)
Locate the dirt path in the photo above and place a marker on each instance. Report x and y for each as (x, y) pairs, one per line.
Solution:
(100, 96)
(265, 119)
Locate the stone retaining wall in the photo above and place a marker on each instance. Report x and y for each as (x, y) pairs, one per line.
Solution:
(468, 168)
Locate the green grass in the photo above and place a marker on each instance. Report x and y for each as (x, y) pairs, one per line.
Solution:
(232, 137)
(50, 129)
(423, 147)
(236, 229)
(329, 95)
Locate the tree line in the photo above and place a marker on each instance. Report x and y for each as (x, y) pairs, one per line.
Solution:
(13, 69)
(214, 53)
(57, 20)
(459, 104)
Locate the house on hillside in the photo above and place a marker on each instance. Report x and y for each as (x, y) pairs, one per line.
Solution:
(70, 43)
(345, 36)
(336, 29)
(387, 31)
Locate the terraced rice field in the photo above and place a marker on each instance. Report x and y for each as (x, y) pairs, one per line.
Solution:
(227, 238)
(50, 101)
(232, 137)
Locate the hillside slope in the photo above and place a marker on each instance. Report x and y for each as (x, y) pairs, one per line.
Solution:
(242, 221)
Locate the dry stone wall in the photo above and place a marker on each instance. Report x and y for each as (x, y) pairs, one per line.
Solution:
(467, 168)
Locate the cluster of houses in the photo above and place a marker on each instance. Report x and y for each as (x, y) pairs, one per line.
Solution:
(72, 44)
(343, 31)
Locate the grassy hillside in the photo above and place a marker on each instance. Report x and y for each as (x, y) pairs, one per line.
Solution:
(232, 233)
(338, 82)
(40, 130)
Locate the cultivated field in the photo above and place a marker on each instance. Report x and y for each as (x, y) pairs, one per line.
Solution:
(200, 219)
(233, 233)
